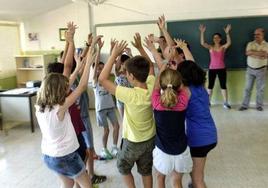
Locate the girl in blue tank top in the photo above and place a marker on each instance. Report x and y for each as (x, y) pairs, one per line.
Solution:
(201, 130)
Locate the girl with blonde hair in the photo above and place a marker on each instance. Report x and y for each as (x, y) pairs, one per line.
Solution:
(59, 141)
(171, 154)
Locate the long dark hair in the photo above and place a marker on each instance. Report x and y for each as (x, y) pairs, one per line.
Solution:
(191, 73)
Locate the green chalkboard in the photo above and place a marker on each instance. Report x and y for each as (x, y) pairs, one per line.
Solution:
(241, 33)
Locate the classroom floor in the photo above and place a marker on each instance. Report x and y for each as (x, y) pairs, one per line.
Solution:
(239, 161)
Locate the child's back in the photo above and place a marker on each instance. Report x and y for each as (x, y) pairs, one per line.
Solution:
(58, 137)
(138, 122)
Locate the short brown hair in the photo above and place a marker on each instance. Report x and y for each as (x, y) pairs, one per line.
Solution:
(139, 67)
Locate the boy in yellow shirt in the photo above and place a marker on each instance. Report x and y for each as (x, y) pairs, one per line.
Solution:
(138, 123)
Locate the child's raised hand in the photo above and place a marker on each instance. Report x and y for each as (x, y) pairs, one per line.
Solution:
(202, 28)
(100, 43)
(137, 41)
(113, 41)
(180, 43)
(227, 28)
(96, 40)
(77, 57)
(161, 22)
(91, 55)
(149, 44)
(118, 48)
(71, 27)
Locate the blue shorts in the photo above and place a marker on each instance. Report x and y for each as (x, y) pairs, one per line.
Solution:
(70, 165)
(88, 134)
(104, 114)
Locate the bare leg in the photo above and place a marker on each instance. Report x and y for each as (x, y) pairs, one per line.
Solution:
(105, 136)
(115, 133)
(66, 182)
(90, 162)
(210, 94)
(198, 172)
(121, 112)
(224, 95)
(129, 180)
(83, 180)
(177, 179)
(147, 181)
(160, 180)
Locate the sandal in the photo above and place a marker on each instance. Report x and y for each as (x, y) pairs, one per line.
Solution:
(98, 179)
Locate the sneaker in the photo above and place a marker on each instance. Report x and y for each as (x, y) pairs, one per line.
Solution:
(98, 179)
(106, 154)
(114, 151)
(259, 108)
(226, 106)
(242, 108)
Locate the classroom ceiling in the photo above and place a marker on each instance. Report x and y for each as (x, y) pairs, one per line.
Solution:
(16, 10)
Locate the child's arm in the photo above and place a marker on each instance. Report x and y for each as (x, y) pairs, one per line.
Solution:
(157, 80)
(137, 44)
(228, 38)
(88, 44)
(157, 57)
(113, 42)
(161, 24)
(182, 45)
(80, 88)
(68, 63)
(202, 29)
(79, 66)
(96, 60)
(105, 73)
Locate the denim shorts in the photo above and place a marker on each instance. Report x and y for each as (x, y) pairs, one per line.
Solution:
(105, 114)
(70, 165)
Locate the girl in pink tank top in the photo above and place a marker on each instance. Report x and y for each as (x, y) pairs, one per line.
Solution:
(217, 66)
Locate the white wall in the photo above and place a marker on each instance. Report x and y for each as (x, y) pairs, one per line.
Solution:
(47, 26)
(176, 9)
(10, 46)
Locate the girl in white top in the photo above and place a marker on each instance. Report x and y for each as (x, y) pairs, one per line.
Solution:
(59, 142)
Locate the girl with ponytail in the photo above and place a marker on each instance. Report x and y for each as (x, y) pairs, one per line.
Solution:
(171, 154)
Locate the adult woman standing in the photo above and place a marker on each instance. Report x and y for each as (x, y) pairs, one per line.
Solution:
(217, 65)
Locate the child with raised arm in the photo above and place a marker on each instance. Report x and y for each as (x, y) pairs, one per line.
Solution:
(217, 65)
(105, 109)
(201, 129)
(171, 154)
(59, 142)
(138, 123)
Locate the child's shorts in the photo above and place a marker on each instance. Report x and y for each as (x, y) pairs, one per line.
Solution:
(88, 134)
(104, 114)
(202, 151)
(70, 165)
(139, 153)
(165, 163)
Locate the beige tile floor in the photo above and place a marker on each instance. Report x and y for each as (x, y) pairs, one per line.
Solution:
(239, 161)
